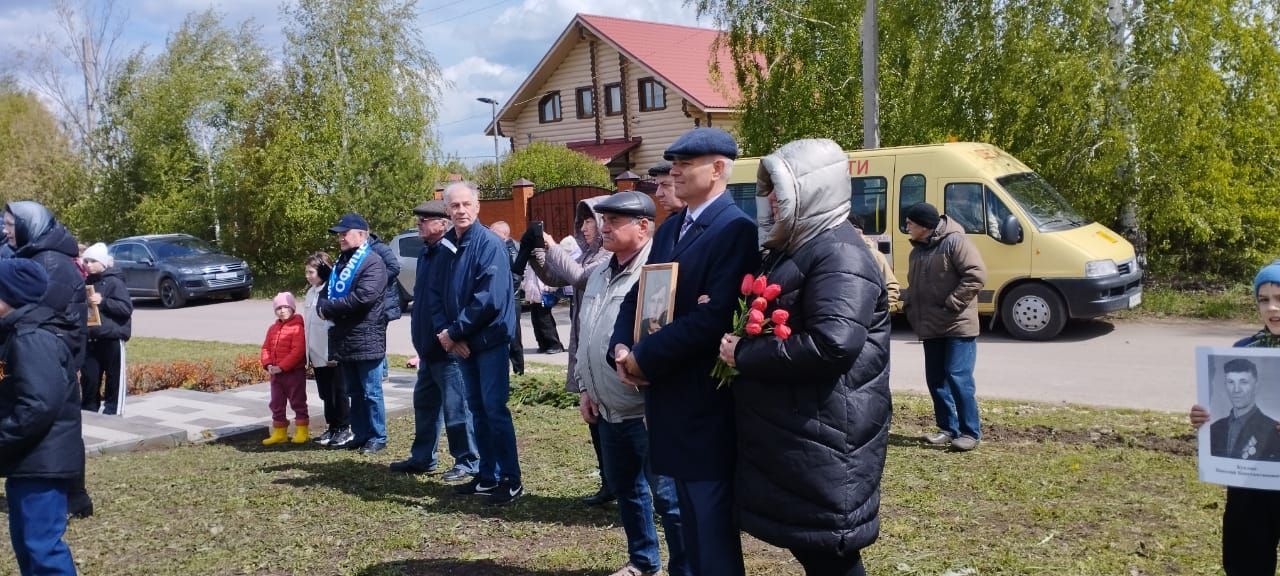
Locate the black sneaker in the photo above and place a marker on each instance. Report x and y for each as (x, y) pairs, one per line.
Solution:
(602, 496)
(456, 474)
(373, 447)
(411, 467)
(505, 493)
(475, 487)
(327, 437)
(343, 439)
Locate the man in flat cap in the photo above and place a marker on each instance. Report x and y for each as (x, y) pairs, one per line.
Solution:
(665, 193)
(617, 408)
(691, 429)
(358, 338)
(440, 391)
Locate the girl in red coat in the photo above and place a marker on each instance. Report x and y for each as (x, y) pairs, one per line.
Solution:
(284, 355)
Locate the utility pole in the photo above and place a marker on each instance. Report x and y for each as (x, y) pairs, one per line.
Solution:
(870, 77)
(497, 167)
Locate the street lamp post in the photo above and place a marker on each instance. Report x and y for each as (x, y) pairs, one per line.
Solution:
(497, 168)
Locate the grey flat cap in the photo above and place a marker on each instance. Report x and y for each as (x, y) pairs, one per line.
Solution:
(627, 203)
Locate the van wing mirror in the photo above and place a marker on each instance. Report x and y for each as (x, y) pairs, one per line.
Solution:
(1011, 230)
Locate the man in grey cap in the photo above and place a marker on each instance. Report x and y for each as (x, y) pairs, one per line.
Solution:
(665, 194)
(691, 428)
(618, 408)
(440, 391)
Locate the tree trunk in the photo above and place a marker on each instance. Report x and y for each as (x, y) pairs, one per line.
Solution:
(1119, 14)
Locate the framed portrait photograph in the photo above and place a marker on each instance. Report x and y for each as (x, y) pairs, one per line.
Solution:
(94, 319)
(1240, 445)
(656, 298)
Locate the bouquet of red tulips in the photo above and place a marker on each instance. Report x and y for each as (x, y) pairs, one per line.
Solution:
(750, 320)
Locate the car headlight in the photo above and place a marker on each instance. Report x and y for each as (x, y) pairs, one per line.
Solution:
(186, 270)
(1100, 268)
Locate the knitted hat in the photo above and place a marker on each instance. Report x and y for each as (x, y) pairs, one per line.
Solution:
(98, 253)
(284, 299)
(1269, 274)
(923, 214)
(22, 282)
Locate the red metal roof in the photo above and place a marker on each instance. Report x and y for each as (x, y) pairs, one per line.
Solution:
(681, 55)
(606, 151)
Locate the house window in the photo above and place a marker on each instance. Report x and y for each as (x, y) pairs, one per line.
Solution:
(613, 99)
(586, 102)
(549, 108)
(653, 96)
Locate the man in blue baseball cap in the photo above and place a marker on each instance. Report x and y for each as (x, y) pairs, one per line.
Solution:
(690, 420)
(354, 302)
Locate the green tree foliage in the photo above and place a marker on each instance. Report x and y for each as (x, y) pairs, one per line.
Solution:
(36, 159)
(547, 165)
(1195, 94)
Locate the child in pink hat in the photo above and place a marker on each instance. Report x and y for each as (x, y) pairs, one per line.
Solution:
(284, 355)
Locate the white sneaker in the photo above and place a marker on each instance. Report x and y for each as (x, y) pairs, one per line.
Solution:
(630, 570)
(964, 443)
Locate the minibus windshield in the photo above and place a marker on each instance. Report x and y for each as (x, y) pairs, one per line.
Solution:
(1048, 210)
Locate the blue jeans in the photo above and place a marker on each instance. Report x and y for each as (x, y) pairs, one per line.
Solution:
(368, 414)
(625, 447)
(37, 521)
(439, 394)
(948, 370)
(488, 388)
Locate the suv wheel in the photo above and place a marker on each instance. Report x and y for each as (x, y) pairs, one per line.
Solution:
(170, 295)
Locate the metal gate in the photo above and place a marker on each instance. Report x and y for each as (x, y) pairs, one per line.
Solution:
(555, 207)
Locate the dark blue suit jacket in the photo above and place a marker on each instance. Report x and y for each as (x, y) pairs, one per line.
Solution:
(691, 430)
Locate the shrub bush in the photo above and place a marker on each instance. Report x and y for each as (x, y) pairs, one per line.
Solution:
(203, 376)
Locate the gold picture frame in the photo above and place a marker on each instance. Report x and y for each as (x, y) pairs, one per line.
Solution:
(94, 318)
(655, 300)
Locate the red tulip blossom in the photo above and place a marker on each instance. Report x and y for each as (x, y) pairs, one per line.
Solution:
(754, 329)
(748, 282)
(755, 317)
(771, 291)
(782, 331)
(780, 316)
(759, 286)
(760, 304)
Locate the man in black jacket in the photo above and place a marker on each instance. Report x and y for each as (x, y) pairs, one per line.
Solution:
(391, 296)
(115, 313)
(1246, 433)
(358, 338)
(36, 235)
(41, 450)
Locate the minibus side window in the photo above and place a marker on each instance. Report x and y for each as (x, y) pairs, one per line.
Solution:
(869, 201)
(996, 213)
(744, 195)
(910, 193)
(962, 203)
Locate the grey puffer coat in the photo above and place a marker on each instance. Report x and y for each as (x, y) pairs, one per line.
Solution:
(813, 411)
(556, 268)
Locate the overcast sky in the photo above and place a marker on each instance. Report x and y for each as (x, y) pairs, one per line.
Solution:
(485, 48)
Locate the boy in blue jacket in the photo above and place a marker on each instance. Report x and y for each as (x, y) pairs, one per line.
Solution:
(1251, 518)
(41, 449)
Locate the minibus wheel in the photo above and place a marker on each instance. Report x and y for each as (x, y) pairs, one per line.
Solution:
(1033, 312)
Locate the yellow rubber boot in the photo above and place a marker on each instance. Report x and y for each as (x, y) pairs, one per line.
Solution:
(301, 433)
(278, 434)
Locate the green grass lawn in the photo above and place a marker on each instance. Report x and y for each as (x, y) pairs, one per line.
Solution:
(1052, 490)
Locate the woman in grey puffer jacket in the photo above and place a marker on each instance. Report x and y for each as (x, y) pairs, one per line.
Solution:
(556, 267)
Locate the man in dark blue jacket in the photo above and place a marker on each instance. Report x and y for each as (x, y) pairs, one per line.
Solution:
(691, 427)
(358, 338)
(41, 451)
(391, 296)
(440, 390)
(479, 310)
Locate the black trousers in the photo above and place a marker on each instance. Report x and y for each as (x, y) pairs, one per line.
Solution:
(828, 563)
(544, 328)
(101, 358)
(516, 350)
(333, 392)
(1250, 532)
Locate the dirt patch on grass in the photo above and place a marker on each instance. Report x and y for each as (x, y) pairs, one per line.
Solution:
(1180, 445)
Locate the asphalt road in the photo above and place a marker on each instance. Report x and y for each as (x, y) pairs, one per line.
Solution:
(1132, 364)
